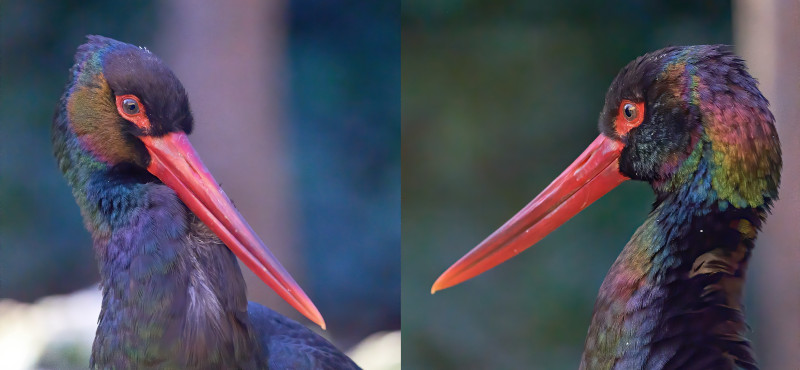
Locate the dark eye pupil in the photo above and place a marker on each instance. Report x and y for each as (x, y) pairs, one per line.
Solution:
(630, 111)
(130, 106)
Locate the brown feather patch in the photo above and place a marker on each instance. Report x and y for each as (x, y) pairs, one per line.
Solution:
(93, 118)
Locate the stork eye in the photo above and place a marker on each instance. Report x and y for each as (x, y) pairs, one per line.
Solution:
(130, 106)
(630, 115)
(630, 111)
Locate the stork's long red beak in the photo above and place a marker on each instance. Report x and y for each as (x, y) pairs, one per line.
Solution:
(587, 179)
(175, 162)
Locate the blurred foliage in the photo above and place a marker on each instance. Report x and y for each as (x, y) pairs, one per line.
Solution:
(497, 98)
(344, 62)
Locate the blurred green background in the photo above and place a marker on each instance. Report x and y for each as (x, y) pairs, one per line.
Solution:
(339, 66)
(497, 98)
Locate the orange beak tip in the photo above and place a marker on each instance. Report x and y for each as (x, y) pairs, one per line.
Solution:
(319, 320)
(311, 312)
(440, 284)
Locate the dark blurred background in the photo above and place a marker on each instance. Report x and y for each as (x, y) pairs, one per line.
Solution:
(497, 98)
(297, 114)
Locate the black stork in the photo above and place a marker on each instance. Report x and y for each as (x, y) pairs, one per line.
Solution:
(164, 232)
(692, 123)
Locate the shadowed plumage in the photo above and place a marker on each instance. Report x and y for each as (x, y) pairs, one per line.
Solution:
(691, 122)
(164, 233)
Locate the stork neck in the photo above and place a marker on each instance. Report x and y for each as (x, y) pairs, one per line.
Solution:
(172, 293)
(674, 293)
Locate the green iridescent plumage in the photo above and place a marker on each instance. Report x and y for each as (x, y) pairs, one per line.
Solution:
(709, 148)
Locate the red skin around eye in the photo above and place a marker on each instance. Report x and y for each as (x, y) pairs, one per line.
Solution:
(139, 119)
(622, 124)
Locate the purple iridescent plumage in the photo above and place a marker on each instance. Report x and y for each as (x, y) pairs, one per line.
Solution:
(673, 297)
(691, 122)
(173, 293)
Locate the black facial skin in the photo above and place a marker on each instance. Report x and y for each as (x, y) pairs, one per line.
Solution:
(669, 123)
(131, 70)
(127, 69)
(663, 132)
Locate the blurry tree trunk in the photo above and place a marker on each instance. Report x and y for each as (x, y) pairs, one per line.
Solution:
(231, 59)
(766, 33)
